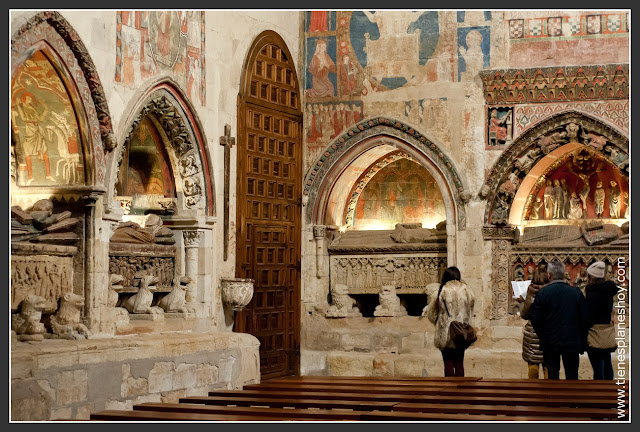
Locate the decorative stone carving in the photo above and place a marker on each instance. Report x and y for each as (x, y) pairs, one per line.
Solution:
(414, 233)
(526, 161)
(42, 270)
(236, 292)
(192, 239)
(389, 303)
(175, 300)
(499, 279)
(41, 225)
(26, 323)
(342, 305)
(175, 127)
(129, 260)
(319, 231)
(614, 200)
(598, 199)
(501, 210)
(65, 323)
(140, 302)
(151, 231)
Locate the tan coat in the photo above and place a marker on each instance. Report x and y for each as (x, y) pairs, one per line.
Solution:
(531, 352)
(459, 301)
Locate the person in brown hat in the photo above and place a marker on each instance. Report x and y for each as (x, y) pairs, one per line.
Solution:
(599, 299)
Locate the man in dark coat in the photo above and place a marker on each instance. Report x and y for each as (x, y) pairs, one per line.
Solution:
(559, 317)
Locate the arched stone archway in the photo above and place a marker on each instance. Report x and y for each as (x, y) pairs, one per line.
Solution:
(184, 139)
(385, 135)
(518, 166)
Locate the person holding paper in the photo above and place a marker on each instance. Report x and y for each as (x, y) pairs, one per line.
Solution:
(559, 317)
(531, 352)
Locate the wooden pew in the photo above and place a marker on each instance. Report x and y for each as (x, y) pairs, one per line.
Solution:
(584, 401)
(510, 410)
(426, 416)
(356, 405)
(117, 415)
(274, 413)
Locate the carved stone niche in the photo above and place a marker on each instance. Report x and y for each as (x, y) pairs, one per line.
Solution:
(385, 272)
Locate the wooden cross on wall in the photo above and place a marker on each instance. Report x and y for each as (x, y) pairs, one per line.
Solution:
(227, 141)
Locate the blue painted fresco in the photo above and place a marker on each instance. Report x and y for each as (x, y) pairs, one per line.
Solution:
(310, 50)
(468, 53)
(400, 33)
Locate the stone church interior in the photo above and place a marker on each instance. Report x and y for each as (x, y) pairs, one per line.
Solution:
(208, 200)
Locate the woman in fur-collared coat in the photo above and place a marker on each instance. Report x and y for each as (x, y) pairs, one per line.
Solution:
(531, 352)
(454, 303)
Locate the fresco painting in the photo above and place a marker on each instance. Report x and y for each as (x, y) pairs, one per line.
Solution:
(320, 21)
(47, 138)
(149, 43)
(393, 47)
(473, 51)
(145, 168)
(321, 70)
(401, 192)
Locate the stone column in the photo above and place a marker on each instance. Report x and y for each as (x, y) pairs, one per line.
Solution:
(319, 232)
(91, 296)
(192, 242)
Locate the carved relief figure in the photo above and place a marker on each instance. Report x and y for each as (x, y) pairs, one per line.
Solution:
(575, 209)
(572, 130)
(614, 200)
(549, 200)
(565, 198)
(552, 141)
(26, 322)
(65, 323)
(141, 301)
(558, 200)
(498, 133)
(131, 232)
(320, 67)
(537, 209)
(584, 192)
(175, 300)
(598, 200)
(526, 161)
(626, 204)
(389, 303)
(500, 210)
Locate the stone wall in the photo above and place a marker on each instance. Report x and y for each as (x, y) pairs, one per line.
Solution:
(439, 92)
(69, 380)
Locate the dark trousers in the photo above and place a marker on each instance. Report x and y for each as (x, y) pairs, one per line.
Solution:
(601, 363)
(453, 361)
(570, 360)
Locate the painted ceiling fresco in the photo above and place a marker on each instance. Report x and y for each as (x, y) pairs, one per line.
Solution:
(45, 131)
(401, 192)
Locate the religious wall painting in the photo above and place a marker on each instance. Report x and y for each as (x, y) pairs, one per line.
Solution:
(582, 186)
(473, 16)
(327, 120)
(150, 43)
(401, 192)
(473, 51)
(320, 21)
(145, 168)
(320, 75)
(499, 126)
(393, 47)
(45, 131)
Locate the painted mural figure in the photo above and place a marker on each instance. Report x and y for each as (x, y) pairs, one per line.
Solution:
(598, 199)
(34, 142)
(348, 78)
(575, 210)
(473, 55)
(497, 128)
(614, 200)
(320, 67)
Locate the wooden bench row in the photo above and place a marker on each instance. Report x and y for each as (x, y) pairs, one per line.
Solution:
(391, 399)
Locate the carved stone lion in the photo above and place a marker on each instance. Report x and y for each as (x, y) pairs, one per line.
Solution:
(141, 301)
(65, 323)
(342, 305)
(389, 303)
(175, 300)
(26, 323)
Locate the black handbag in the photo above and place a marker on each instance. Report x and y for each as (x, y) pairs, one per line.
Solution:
(461, 334)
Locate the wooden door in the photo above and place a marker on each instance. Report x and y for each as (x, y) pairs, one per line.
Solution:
(269, 209)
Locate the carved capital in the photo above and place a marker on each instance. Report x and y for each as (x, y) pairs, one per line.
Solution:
(192, 238)
(319, 232)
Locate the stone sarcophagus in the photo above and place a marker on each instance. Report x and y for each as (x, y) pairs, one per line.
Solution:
(402, 262)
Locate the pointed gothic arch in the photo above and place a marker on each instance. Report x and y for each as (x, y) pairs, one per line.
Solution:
(370, 139)
(527, 158)
(167, 107)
